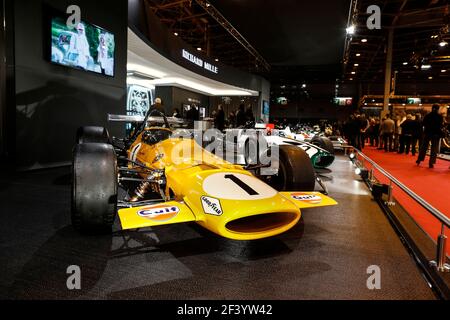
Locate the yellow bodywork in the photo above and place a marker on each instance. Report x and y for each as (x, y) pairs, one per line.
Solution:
(219, 196)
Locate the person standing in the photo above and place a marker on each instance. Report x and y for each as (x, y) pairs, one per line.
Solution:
(388, 130)
(176, 113)
(433, 124)
(364, 126)
(232, 120)
(250, 117)
(79, 48)
(241, 118)
(219, 119)
(102, 51)
(380, 134)
(408, 127)
(158, 106)
(418, 134)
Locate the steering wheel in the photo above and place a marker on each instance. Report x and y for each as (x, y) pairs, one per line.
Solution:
(142, 126)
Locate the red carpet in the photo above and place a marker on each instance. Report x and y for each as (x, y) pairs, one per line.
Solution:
(433, 185)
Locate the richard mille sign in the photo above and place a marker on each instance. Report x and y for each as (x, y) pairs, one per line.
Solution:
(199, 62)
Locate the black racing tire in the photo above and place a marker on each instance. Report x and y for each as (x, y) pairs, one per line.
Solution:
(94, 188)
(93, 135)
(324, 143)
(296, 172)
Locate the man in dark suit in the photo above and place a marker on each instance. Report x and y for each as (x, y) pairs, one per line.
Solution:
(433, 124)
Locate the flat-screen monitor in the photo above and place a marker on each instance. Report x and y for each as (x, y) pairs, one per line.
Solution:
(84, 46)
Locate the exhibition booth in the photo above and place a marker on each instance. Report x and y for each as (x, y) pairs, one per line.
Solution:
(67, 74)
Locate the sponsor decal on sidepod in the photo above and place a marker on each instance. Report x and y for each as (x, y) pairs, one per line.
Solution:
(308, 198)
(212, 206)
(159, 213)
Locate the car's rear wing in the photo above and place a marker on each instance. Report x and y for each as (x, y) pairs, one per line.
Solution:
(130, 119)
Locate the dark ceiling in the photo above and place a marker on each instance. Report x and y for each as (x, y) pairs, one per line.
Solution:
(294, 42)
(419, 27)
(291, 32)
(272, 35)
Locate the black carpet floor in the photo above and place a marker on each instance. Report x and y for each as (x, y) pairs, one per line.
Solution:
(326, 256)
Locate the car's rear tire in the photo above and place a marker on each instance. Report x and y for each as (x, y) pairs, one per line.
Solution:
(296, 172)
(324, 143)
(94, 187)
(92, 135)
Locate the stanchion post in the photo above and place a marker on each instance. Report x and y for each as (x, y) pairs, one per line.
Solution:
(441, 255)
(390, 202)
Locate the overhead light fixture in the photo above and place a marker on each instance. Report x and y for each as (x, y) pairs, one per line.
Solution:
(176, 34)
(443, 70)
(358, 54)
(351, 79)
(351, 30)
(304, 85)
(136, 68)
(216, 60)
(443, 43)
(356, 64)
(199, 49)
(430, 78)
(434, 36)
(193, 85)
(363, 40)
(353, 72)
(352, 156)
(405, 63)
(426, 66)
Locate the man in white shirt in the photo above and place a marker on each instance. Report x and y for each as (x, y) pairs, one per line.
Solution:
(79, 47)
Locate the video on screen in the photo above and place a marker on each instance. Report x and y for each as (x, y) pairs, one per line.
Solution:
(86, 47)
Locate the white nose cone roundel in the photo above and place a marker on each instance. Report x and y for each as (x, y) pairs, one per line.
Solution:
(236, 186)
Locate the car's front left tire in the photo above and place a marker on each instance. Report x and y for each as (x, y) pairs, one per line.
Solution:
(94, 187)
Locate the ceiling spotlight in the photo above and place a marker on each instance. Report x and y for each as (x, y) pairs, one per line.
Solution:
(430, 78)
(199, 49)
(176, 34)
(363, 40)
(443, 43)
(351, 79)
(353, 72)
(405, 63)
(426, 66)
(356, 64)
(216, 60)
(350, 30)
(304, 85)
(443, 70)
(358, 54)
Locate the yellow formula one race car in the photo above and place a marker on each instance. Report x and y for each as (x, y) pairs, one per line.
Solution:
(154, 178)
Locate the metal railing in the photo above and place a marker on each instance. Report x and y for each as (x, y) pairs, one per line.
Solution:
(440, 262)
